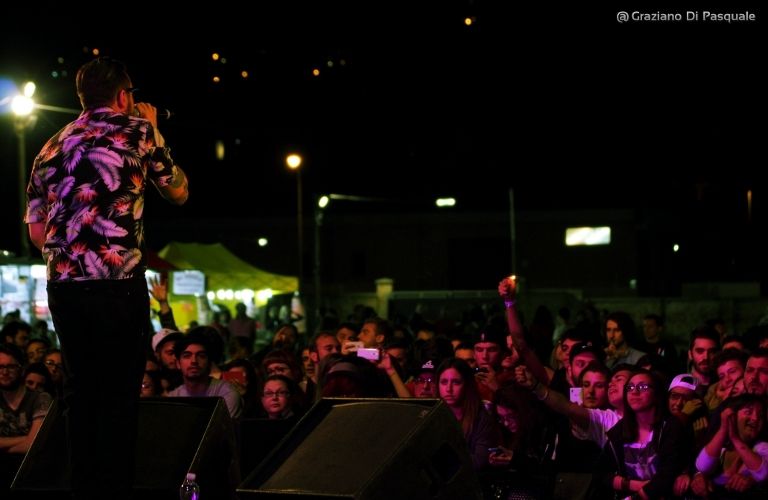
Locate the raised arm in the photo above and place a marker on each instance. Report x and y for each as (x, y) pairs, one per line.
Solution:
(553, 399)
(174, 188)
(508, 291)
(158, 288)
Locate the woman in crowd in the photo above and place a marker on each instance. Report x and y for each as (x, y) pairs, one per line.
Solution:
(38, 378)
(457, 388)
(280, 397)
(735, 458)
(646, 451)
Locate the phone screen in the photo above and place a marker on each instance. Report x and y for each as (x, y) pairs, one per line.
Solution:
(576, 395)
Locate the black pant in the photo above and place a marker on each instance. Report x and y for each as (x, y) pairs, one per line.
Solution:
(103, 327)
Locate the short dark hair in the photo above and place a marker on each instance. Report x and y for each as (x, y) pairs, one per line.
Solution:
(596, 367)
(14, 352)
(193, 337)
(705, 332)
(98, 81)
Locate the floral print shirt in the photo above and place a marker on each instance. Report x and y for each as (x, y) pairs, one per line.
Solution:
(87, 186)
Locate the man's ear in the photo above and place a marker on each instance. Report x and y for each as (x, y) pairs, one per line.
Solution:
(121, 100)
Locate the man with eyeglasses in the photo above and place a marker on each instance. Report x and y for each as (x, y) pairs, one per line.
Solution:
(21, 413)
(423, 385)
(85, 213)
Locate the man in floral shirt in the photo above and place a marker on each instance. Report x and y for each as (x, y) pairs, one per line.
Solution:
(85, 212)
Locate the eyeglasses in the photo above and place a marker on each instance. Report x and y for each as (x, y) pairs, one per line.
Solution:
(279, 394)
(641, 387)
(676, 396)
(9, 368)
(131, 90)
(50, 362)
(423, 380)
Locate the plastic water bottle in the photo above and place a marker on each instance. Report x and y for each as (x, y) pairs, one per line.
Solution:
(189, 489)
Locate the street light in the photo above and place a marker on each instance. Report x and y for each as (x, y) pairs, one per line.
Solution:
(322, 203)
(22, 107)
(293, 162)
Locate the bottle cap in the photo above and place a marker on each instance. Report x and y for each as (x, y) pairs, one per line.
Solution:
(191, 476)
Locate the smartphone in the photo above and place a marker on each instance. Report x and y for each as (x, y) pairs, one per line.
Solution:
(371, 354)
(238, 377)
(494, 450)
(576, 395)
(481, 369)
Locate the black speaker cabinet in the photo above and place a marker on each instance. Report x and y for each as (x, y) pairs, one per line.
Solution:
(176, 436)
(368, 449)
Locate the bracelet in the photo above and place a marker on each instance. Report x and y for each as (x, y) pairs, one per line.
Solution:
(508, 303)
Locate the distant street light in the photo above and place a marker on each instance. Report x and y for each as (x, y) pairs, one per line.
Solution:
(322, 203)
(293, 162)
(22, 107)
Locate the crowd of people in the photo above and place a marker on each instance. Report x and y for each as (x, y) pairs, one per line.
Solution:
(602, 415)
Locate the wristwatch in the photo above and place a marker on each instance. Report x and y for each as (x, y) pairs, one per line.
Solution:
(162, 155)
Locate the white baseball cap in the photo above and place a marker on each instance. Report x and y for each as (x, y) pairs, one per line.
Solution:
(684, 380)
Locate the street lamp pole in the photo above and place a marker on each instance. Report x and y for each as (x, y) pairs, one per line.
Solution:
(23, 107)
(316, 268)
(20, 125)
(293, 161)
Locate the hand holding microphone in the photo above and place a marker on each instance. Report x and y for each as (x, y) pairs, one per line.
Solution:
(151, 113)
(144, 110)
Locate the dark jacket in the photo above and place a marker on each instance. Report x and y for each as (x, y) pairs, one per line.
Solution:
(673, 450)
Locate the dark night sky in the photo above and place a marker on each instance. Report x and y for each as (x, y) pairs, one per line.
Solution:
(569, 107)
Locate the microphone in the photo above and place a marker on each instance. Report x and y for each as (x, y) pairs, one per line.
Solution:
(161, 113)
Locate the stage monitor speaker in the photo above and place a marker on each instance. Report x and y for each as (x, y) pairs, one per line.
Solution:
(176, 436)
(368, 449)
(258, 437)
